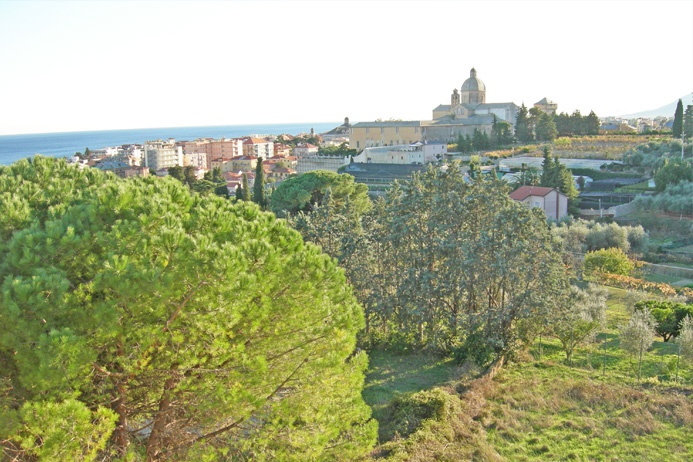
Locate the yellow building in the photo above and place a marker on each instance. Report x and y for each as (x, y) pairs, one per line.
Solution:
(240, 164)
(467, 113)
(384, 133)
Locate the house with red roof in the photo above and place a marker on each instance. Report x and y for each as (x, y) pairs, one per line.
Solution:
(553, 202)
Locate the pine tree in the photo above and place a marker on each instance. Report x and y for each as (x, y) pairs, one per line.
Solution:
(592, 124)
(223, 333)
(677, 129)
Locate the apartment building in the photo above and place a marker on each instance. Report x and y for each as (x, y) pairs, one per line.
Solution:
(159, 154)
(258, 147)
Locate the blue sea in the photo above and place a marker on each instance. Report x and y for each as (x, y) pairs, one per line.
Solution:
(15, 147)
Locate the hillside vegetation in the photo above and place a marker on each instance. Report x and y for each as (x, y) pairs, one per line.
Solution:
(607, 147)
(537, 408)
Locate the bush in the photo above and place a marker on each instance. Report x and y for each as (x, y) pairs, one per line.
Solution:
(410, 411)
(611, 261)
(476, 348)
(581, 236)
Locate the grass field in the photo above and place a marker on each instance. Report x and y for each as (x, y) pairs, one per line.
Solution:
(391, 376)
(666, 279)
(637, 188)
(538, 409)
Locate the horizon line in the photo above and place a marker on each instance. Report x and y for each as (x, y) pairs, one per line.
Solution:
(164, 128)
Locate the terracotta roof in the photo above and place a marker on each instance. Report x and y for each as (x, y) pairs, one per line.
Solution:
(255, 141)
(284, 170)
(523, 192)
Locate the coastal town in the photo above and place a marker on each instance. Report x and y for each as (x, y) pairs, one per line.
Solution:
(290, 230)
(383, 150)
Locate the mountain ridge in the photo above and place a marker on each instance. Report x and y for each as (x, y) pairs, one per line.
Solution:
(667, 110)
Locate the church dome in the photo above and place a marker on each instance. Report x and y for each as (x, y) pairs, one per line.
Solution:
(473, 83)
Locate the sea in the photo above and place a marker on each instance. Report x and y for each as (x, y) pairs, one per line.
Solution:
(65, 144)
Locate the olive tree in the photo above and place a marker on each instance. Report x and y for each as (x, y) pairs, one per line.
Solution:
(637, 335)
(581, 315)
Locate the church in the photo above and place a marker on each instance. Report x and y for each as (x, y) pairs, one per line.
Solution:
(470, 101)
(468, 111)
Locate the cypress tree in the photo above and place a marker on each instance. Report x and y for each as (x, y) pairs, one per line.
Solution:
(688, 121)
(259, 185)
(548, 170)
(522, 131)
(677, 129)
(245, 189)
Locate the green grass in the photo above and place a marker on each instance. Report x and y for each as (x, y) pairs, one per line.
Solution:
(390, 376)
(542, 409)
(551, 412)
(652, 277)
(617, 307)
(636, 188)
(678, 264)
(686, 249)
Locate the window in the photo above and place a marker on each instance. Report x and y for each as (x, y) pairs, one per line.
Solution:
(382, 130)
(396, 129)
(368, 130)
(537, 204)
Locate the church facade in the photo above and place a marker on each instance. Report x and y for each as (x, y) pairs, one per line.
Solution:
(468, 111)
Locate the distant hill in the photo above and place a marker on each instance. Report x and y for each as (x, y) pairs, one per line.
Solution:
(666, 111)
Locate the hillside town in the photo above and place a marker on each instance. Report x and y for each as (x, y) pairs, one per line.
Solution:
(375, 153)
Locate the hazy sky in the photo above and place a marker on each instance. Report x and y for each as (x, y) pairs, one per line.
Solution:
(83, 65)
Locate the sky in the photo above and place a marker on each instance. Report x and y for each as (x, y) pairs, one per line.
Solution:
(98, 65)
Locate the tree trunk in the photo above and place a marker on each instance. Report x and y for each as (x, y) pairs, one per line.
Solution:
(120, 435)
(121, 438)
(162, 417)
(678, 359)
(640, 360)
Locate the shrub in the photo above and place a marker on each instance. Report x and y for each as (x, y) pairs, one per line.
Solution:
(410, 411)
(611, 261)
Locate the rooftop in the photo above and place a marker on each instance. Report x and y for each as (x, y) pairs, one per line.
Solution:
(390, 123)
(523, 192)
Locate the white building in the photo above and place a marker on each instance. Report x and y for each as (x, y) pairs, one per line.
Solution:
(258, 147)
(160, 154)
(415, 153)
(195, 159)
